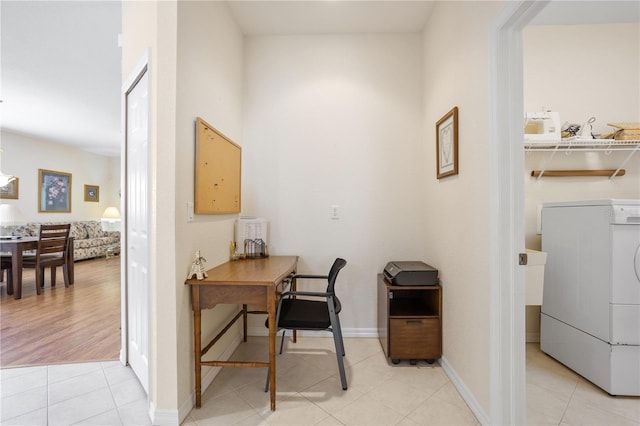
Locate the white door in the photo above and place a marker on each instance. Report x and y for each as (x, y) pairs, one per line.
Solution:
(137, 226)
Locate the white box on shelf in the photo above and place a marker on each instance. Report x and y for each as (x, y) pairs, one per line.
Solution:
(542, 126)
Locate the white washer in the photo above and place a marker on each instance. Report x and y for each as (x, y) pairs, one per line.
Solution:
(590, 315)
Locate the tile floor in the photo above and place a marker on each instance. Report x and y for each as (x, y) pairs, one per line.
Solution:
(558, 396)
(309, 392)
(97, 393)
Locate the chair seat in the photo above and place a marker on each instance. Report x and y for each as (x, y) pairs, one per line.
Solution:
(309, 314)
(45, 260)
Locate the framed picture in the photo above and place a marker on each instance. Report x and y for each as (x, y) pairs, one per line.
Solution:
(92, 193)
(54, 191)
(447, 144)
(10, 190)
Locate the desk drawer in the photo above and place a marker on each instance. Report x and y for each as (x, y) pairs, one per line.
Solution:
(414, 338)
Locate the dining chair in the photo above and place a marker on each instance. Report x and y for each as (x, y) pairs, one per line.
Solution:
(5, 264)
(307, 310)
(52, 251)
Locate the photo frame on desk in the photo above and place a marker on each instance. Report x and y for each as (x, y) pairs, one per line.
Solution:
(447, 144)
(218, 170)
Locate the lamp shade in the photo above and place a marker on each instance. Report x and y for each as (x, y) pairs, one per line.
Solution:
(10, 215)
(111, 213)
(6, 179)
(110, 220)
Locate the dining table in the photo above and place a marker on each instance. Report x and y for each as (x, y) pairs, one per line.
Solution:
(15, 246)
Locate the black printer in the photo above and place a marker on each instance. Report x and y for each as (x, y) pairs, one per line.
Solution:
(410, 273)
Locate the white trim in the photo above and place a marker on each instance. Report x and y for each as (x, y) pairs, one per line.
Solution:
(464, 392)
(508, 361)
(163, 417)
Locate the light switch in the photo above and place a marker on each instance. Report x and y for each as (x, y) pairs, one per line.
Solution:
(335, 212)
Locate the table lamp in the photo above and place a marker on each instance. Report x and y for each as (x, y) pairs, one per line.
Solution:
(5, 179)
(10, 218)
(110, 220)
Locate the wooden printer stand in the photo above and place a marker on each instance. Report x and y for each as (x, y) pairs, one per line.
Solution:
(410, 321)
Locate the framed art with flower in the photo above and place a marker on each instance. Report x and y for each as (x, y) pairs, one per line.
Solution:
(54, 191)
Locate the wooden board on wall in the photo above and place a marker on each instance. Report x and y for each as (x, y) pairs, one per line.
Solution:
(218, 169)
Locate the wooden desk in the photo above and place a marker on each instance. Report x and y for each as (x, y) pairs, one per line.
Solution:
(255, 282)
(16, 247)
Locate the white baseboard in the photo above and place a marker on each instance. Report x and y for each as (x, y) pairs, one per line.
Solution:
(466, 394)
(163, 417)
(207, 379)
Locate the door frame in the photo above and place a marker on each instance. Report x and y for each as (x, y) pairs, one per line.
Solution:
(141, 68)
(508, 350)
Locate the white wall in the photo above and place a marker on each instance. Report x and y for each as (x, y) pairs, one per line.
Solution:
(152, 27)
(195, 70)
(23, 156)
(581, 71)
(456, 56)
(209, 85)
(337, 120)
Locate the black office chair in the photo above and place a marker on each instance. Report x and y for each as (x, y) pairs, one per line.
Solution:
(306, 310)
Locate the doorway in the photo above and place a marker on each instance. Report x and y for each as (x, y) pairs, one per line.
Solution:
(135, 177)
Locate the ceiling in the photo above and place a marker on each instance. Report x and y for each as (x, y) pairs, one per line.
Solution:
(330, 17)
(61, 72)
(61, 75)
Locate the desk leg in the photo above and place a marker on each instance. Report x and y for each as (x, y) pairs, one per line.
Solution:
(271, 312)
(16, 271)
(197, 343)
(294, 287)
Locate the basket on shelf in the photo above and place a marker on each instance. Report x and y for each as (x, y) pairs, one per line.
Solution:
(624, 132)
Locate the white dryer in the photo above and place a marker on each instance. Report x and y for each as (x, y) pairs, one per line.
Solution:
(590, 315)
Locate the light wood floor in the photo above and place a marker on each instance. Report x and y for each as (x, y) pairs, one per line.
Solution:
(64, 325)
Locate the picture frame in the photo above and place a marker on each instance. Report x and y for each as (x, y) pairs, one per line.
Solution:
(92, 193)
(11, 190)
(447, 144)
(54, 191)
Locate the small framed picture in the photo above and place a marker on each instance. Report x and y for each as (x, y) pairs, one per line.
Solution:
(10, 190)
(92, 193)
(54, 191)
(447, 144)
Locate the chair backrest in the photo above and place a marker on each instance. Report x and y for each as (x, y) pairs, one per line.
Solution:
(54, 240)
(333, 273)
